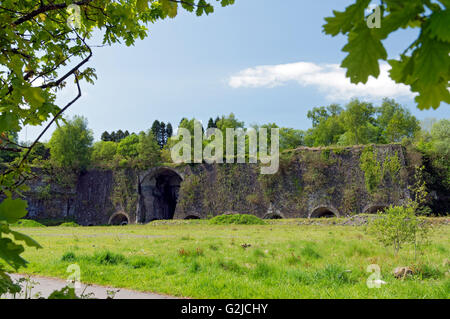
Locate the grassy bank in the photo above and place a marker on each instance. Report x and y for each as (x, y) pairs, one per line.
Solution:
(197, 259)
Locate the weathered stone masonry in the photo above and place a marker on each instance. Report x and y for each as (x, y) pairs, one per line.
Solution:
(310, 183)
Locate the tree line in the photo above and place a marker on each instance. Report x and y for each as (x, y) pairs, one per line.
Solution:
(357, 123)
(160, 130)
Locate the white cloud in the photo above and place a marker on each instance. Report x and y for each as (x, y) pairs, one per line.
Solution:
(327, 78)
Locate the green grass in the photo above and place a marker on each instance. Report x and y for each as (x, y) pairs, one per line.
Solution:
(198, 259)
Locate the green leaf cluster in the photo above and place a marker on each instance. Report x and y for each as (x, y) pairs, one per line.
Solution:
(424, 65)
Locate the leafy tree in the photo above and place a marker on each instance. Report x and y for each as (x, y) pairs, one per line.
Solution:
(106, 137)
(70, 144)
(334, 109)
(356, 120)
(211, 123)
(156, 130)
(398, 226)
(424, 65)
(162, 136)
(440, 136)
(440, 158)
(161, 132)
(291, 138)
(435, 147)
(11, 246)
(396, 122)
(327, 132)
(40, 52)
(317, 115)
(104, 151)
(189, 125)
(327, 125)
(169, 131)
(119, 135)
(148, 149)
(113, 137)
(128, 147)
(229, 121)
(216, 121)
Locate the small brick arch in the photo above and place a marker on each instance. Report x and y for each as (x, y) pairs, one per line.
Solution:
(119, 218)
(276, 215)
(373, 209)
(192, 217)
(324, 211)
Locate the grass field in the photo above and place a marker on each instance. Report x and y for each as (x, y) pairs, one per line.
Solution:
(196, 259)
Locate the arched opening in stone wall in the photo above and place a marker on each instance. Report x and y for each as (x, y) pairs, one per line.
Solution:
(119, 219)
(192, 217)
(374, 209)
(165, 193)
(323, 212)
(273, 216)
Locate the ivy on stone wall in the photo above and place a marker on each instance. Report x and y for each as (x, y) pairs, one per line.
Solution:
(124, 195)
(373, 172)
(377, 174)
(392, 167)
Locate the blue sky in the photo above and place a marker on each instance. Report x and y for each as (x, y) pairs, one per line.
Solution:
(264, 60)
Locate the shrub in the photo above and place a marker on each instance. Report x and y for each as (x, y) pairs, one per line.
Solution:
(398, 226)
(54, 221)
(104, 152)
(70, 144)
(237, 219)
(27, 223)
(69, 224)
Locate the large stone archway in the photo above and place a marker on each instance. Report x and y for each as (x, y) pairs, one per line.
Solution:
(158, 192)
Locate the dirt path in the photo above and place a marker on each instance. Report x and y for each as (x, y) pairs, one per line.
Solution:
(45, 286)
